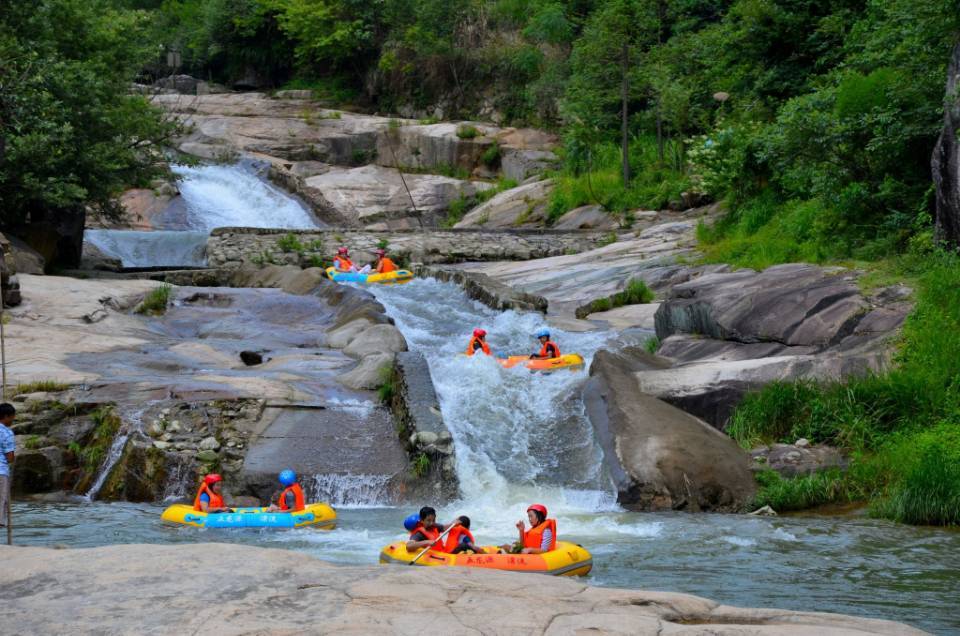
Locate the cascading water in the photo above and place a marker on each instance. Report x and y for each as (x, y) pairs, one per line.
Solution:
(132, 423)
(519, 436)
(344, 491)
(212, 196)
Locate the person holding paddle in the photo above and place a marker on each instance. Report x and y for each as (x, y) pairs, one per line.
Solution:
(427, 534)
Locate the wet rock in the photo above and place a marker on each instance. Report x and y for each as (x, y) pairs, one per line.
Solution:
(488, 290)
(207, 456)
(765, 511)
(161, 445)
(38, 470)
(660, 457)
(155, 429)
(139, 475)
(376, 339)
(95, 259)
(209, 443)
(251, 358)
(26, 260)
(283, 589)
(369, 372)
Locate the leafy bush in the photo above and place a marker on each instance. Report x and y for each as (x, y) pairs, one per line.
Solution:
(635, 293)
(799, 493)
(466, 131)
(291, 243)
(491, 156)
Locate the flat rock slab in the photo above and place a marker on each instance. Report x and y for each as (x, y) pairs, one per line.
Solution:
(231, 589)
(327, 441)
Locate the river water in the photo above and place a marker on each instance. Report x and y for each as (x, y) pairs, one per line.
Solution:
(523, 437)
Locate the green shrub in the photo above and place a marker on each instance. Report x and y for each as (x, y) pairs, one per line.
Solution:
(799, 493)
(421, 465)
(388, 383)
(466, 131)
(491, 156)
(651, 344)
(156, 301)
(457, 210)
(635, 293)
(291, 243)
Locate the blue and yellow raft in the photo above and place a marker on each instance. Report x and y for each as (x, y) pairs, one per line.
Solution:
(318, 515)
(390, 278)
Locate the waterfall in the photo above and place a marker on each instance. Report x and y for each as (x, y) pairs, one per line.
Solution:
(212, 196)
(113, 456)
(349, 490)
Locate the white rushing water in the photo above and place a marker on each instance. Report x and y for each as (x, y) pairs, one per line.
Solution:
(237, 196)
(520, 437)
(213, 196)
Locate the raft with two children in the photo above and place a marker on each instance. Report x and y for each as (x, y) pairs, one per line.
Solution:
(319, 515)
(396, 277)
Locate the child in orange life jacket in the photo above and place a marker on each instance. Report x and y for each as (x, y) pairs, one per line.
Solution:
(461, 539)
(342, 262)
(540, 538)
(384, 265)
(210, 496)
(291, 499)
(427, 533)
(478, 343)
(548, 348)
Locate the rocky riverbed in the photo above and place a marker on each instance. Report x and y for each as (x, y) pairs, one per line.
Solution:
(229, 589)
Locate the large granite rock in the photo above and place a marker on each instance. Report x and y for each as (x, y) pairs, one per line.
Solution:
(660, 457)
(273, 592)
(526, 204)
(377, 196)
(726, 333)
(946, 159)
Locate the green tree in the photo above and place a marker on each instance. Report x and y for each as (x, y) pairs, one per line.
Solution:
(73, 134)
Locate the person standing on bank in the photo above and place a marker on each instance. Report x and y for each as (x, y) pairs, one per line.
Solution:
(7, 450)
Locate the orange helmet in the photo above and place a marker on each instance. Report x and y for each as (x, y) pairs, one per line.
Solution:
(479, 333)
(212, 478)
(538, 508)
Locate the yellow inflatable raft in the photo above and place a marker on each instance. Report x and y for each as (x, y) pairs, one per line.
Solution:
(315, 514)
(390, 278)
(568, 559)
(571, 361)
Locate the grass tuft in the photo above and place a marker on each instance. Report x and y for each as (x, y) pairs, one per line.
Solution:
(156, 301)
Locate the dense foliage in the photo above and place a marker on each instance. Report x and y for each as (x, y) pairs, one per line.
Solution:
(71, 132)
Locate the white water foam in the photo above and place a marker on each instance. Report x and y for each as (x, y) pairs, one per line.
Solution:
(520, 437)
(235, 195)
(349, 491)
(137, 248)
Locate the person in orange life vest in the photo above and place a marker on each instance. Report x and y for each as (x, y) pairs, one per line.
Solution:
(461, 539)
(210, 497)
(478, 343)
(548, 348)
(542, 535)
(384, 265)
(342, 262)
(427, 533)
(291, 499)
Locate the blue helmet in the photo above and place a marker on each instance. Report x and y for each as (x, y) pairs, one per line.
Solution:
(543, 333)
(288, 477)
(411, 521)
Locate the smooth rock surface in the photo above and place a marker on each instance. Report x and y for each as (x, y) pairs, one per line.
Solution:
(660, 457)
(523, 205)
(374, 194)
(274, 592)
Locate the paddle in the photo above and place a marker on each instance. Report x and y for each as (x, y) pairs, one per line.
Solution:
(427, 549)
(9, 522)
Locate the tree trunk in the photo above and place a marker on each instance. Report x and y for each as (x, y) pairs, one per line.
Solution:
(624, 137)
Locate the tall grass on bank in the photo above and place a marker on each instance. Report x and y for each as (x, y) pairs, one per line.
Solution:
(598, 180)
(635, 293)
(902, 427)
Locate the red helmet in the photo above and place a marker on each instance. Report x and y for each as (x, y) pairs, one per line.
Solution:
(479, 333)
(212, 478)
(539, 508)
(380, 252)
(343, 250)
